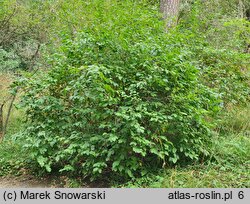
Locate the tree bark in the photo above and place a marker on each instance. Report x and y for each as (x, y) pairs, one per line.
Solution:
(241, 9)
(3, 126)
(8, 114)
(1, 122)
(170, 11)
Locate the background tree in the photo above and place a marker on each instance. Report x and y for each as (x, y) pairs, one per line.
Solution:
(170, 10)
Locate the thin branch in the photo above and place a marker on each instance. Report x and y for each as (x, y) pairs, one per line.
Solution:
(8, 114)
(6, 21)
(5, 101)
(1, 122)
(34, 57)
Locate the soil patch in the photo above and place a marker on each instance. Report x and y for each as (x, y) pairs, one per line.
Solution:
(25, 182)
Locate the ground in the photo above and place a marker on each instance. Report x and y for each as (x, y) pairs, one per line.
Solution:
(24, 182)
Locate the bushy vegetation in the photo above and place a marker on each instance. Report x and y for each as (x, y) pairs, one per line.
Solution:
(121, 101)
(22, 31)
(114, 94)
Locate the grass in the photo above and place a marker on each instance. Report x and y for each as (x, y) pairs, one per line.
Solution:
(12, 158)
(235, 120)
(200, 176)
(16, 116)
(5, 80)
(229, 167)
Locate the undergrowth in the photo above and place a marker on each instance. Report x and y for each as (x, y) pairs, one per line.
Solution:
(13, 158)
(228, 167)
(121, 91)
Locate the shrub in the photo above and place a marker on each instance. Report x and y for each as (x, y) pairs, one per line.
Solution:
(22, 32)
(227, 73)
(122, 97)
(218, 42)
(9, 61)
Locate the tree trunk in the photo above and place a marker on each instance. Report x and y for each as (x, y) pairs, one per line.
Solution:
(170, 11)
(8, 114)
(241, 9)
(3, 126)
(1, 122)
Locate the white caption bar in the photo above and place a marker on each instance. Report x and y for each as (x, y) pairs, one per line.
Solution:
(128, 196)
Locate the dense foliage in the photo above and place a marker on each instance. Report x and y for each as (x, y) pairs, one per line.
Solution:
(22, 31)
(123, 101)
(120, 95)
